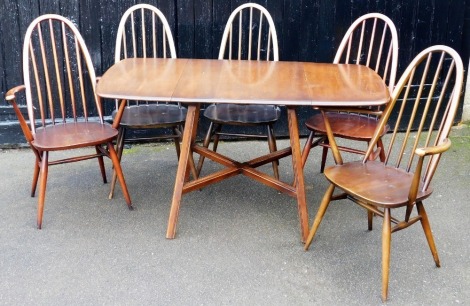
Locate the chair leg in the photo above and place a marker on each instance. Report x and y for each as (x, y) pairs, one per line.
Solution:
(324, 155)
(42, 187)
(205, 144)
(307, 147)
(35, 176)
(427, 231)
(382, 152)
(120, 175)
(319, 216)
(177, 141)
(273, 148)
(386, 238)
(217, 130)
(101, 163)
(192, 167)
(370, 218)
(119, 148)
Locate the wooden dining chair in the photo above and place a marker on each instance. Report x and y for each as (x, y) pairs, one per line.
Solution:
(423, 107)
(249, 34)
(372, 41)
(64, 112)
(144, 32)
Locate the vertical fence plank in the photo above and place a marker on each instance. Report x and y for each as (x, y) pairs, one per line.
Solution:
(11, 40)
(90, 22)
(110, 15)
(202, 28)
(185, 28)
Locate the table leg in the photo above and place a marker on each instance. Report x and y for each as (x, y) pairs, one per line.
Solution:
(298, 171)
(189, 136)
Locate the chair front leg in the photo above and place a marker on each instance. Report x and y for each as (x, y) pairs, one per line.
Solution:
(217, 130)
(177, 141)
(37, 169)
(307, 147)
(120, 175)
(101, 164)
(427, 231)
(273, 148)
(382, 150)
(120, 149)
(370, 218)
(386, 238)
(42, 187)
(324, 155)
(205, 144)
(319, 216)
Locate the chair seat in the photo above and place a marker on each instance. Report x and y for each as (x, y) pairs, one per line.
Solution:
(152, 115)
(242, 114)
(73, 135)
(351, 126)
(375, 183)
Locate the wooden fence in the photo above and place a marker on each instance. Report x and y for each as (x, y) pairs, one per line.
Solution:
(308, 30)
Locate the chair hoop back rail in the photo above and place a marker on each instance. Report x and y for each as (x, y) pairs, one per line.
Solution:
(424, 103)
(64, 111)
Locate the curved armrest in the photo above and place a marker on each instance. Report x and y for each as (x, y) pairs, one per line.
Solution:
(11, 98)
(10, 95)
(435, 149)
(422, 152)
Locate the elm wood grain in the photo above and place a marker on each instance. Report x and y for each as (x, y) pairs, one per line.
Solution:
(402, 179)
(198, 81)
(203, 80)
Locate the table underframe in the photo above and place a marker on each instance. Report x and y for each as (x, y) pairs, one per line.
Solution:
(186, 165)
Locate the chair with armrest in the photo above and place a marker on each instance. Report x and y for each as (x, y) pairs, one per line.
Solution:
(372, 41)
(424, 103)
(64, 112)
(144, 32)
(249, 34)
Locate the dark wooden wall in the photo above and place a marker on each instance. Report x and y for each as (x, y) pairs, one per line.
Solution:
(308, 30)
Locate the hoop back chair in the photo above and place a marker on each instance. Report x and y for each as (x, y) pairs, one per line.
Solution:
(424, 102)
(249, 34)
(144, 32)
(372, 40)
(63, 110)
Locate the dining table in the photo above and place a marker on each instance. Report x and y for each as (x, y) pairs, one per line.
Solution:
(194, 82)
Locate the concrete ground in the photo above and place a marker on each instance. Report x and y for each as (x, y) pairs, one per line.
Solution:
(237, 243)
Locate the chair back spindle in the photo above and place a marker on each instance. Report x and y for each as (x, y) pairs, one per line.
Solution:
(424, 104)
(254, 32)
(55, 59)
(144, 32)
(371, 41)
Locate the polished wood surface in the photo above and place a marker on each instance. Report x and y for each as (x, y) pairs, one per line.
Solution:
(146, 79)
(402, 180)
(196, 81)
(224, 81)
